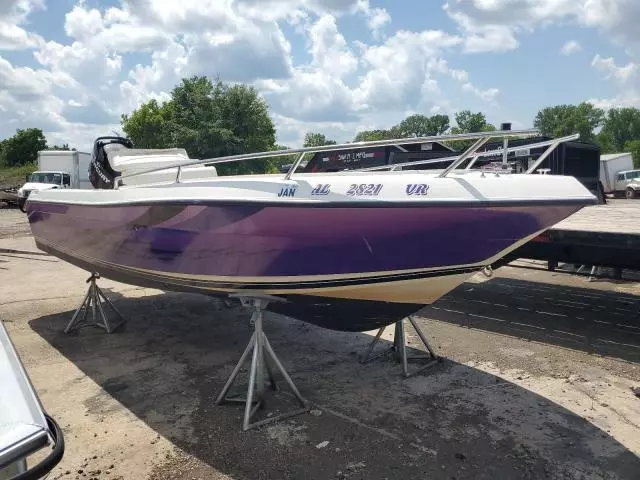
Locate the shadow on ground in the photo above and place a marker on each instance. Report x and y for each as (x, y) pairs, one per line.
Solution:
(173, 356)
(594, 321)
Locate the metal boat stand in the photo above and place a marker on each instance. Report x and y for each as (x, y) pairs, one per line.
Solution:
(94, 300)
(262, 354)
(400, 348)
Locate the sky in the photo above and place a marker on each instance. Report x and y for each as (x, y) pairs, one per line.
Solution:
(72, 67)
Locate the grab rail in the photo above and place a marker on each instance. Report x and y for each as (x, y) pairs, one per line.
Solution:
(481, 137)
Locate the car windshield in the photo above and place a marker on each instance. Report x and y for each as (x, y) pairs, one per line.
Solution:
(45, 177)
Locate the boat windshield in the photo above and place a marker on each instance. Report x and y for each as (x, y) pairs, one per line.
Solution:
(45, 177)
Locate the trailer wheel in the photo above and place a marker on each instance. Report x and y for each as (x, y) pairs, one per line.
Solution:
(630, 193)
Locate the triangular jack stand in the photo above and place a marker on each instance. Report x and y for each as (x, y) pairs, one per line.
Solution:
(400, 348)
(94, 301)
(262, 355)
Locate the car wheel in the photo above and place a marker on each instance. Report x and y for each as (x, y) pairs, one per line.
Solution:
(630, 193)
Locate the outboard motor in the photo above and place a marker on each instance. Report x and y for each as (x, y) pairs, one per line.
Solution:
(101, 174)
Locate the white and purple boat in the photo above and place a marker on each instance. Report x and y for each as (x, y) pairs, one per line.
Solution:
(351, 250)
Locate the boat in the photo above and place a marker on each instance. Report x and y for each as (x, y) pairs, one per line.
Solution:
(349, 250)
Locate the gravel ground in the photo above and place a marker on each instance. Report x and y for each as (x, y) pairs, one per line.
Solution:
(536, 382)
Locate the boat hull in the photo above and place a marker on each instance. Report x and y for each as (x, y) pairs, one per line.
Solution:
(369, 262)
(347, 315)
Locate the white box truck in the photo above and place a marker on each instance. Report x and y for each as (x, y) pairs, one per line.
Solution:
(57, 169)
(616, 173)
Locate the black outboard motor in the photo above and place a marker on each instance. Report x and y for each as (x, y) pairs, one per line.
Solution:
(101, 173)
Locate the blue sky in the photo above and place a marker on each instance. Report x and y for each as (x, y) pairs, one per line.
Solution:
(336, 66)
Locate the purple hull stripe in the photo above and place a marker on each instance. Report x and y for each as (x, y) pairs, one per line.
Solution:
(250, 240)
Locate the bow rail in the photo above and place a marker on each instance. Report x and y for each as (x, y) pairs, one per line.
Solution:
(480, 139)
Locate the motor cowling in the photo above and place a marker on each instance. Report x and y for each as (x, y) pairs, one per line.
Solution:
(101, 174)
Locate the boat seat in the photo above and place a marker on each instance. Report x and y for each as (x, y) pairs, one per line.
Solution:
(128, 160)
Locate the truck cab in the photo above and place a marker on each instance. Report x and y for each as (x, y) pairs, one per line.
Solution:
(42, 180)
(628, 182)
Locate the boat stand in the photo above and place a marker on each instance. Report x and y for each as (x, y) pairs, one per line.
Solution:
(262, 355)
(94, 300)
(400, 348)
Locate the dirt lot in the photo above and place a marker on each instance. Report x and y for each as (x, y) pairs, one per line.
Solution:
(536, 382)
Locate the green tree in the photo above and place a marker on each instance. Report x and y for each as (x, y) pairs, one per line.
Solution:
(63, 147)
(620, 126)
(439, 124)
(422, 126)
(413, 126)
(208, 119)
(312, 139)
(563, 120)
(280, 160)
(469, 122)
(374, 135)
(148, 126)
(605, 142)
(633, 146)
(23, 147)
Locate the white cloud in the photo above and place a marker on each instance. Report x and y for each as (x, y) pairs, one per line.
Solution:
(116, 58)
(360, 85)
(570, 47)
(82, 24)
(627, 98)
(377, 18)
(116, 30)
(145, 82)
(625, 76)
(273, 10)
(291, 130)
(169, 40)
(13, 14)
(460, 75)
(493, 25)
(488, 95)
(401, 67)
(329, 49)
(496, 25)
(608, 65)
(24, 82)
(479, 37)
(28, 98)
(317, 91)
